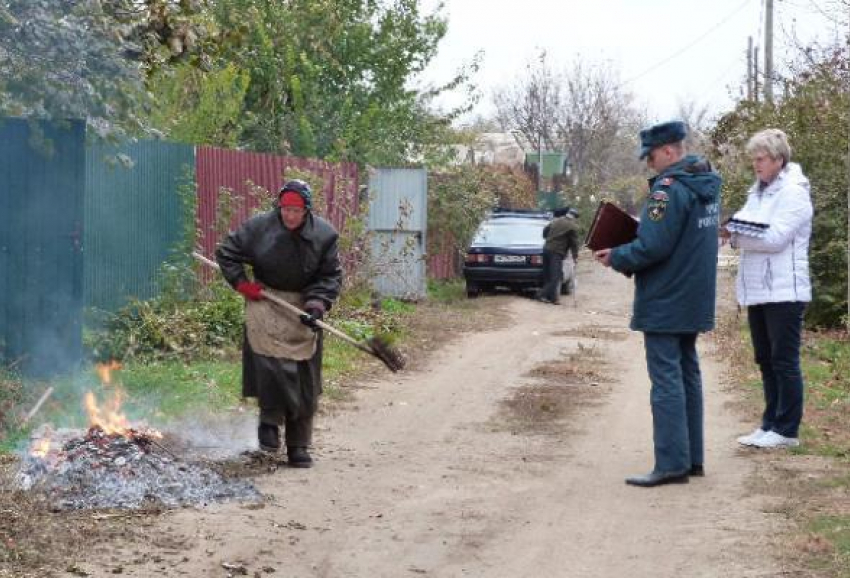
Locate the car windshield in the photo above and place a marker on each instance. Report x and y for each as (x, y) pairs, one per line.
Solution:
(508, 232)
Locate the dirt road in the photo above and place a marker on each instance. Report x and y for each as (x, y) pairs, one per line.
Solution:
(504, 457)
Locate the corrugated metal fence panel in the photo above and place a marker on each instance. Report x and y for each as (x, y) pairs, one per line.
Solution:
(221, 168)
(235, 170)
(441, 266)
(397, 202)
(135, 217)
(398, 216)
(41, 197)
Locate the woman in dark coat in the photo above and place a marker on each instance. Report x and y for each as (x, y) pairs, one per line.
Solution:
(294, 255)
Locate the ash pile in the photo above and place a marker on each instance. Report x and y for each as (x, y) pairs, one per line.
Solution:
(128, 470)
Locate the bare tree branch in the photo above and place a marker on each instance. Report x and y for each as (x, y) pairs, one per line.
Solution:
(582, 111)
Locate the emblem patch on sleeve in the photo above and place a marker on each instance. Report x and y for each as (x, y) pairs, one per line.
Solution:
(656, 207)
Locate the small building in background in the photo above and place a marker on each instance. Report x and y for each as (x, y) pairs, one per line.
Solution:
(550, 178)
(492, 148)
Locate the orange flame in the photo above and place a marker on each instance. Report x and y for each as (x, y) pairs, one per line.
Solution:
(108, 416)
(104, 370)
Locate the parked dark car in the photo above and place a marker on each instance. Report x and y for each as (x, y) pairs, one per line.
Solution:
(507, 251)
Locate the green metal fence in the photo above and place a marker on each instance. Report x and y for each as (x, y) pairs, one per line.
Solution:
(134, 217)
(91, 225)
(42, 181)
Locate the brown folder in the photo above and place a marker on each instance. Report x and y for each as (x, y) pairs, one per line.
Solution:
(611, 227)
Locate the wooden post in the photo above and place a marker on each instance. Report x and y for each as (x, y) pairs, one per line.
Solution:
(768, 52)
(756, 73)
(750, 74)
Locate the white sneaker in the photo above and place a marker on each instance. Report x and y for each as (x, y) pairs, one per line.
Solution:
(774, 440)
(751, 439)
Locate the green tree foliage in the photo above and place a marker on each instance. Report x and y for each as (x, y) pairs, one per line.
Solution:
(459, 198)
(194, 106)
(61, 59)
(816, 115)
(334, 79)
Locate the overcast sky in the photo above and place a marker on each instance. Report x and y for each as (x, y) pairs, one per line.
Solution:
(665, 51)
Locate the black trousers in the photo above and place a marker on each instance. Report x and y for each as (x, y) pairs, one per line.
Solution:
(287, 391)
(776, 332)
(553, 276)
(296, 432)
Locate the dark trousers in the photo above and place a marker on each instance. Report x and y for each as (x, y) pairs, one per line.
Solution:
(776, 330)
(296, 432)
(676, 399)
(553, 276)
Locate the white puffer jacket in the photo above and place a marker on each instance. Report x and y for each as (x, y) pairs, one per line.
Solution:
(775, 268)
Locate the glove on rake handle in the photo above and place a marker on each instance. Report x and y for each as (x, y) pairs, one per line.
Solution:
(376, 347)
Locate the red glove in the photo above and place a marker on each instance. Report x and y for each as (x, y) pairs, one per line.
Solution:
(252, 291)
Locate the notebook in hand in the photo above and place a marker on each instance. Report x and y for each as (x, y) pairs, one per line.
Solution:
(611, 227)
(746, 227)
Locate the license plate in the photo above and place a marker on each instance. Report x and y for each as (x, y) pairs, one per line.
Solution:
(509, 259)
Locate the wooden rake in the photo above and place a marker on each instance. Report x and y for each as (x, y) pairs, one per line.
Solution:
(374, 346)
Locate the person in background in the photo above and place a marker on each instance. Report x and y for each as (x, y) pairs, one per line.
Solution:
(561, 239)
(293, 255)
(773, 283)
(674, 263)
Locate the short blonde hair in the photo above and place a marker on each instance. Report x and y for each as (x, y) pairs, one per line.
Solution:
(772, 142)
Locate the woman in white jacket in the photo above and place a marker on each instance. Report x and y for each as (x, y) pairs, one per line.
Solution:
(773, 282)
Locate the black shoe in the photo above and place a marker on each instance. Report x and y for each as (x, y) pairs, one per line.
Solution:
(269, 437)
(658, 479)
(298, 457)
(697, 470)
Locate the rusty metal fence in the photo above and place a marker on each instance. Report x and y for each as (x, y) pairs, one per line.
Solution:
(247, 179)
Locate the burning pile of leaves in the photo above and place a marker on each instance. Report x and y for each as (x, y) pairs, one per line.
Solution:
(116, 465)
(127, 469)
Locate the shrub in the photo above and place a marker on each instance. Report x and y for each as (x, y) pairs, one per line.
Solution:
(202, 326)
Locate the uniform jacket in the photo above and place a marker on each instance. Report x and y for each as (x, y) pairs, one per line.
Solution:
(674, 257)
(306, 260)
(561, 236)
(775, 268)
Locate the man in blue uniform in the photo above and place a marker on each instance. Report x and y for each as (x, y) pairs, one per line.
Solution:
(674, 261)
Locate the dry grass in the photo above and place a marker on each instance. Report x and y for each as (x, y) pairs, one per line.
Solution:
(811, 484)
(541, 408)
(561, 388)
